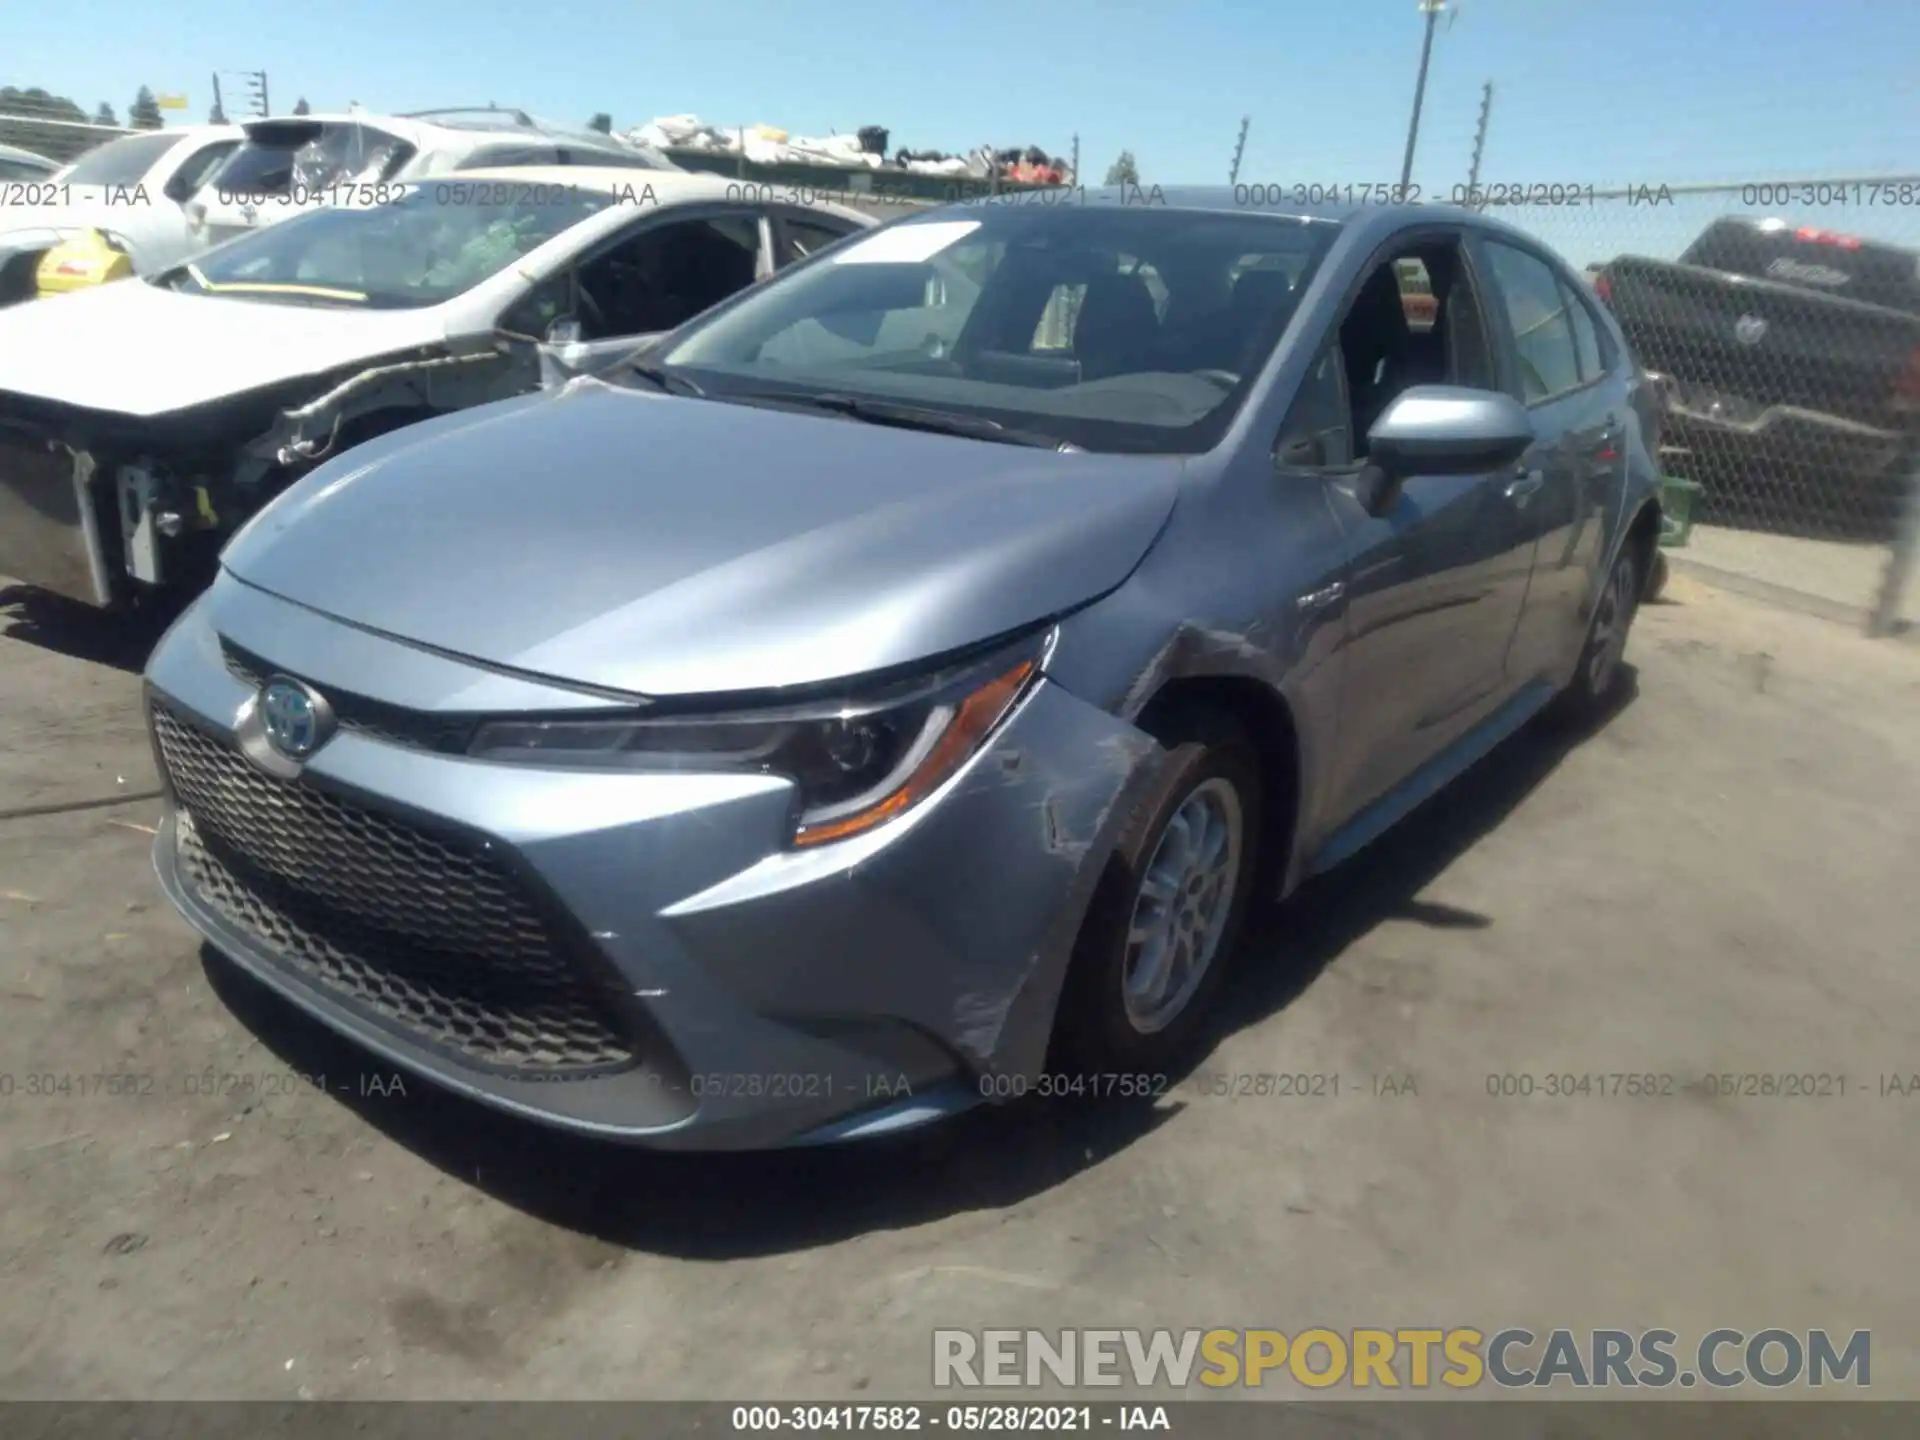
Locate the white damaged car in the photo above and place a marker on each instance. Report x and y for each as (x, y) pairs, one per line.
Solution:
(301, 162)
(133, 190)
(142, 422)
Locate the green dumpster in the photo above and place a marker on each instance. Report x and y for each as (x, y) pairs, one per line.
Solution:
(1676, 510)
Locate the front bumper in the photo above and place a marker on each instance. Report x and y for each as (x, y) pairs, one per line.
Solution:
(762, 996)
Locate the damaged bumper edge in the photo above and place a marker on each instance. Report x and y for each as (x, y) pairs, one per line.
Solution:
(49, 526)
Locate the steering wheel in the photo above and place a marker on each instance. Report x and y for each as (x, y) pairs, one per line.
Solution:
(1225, 379)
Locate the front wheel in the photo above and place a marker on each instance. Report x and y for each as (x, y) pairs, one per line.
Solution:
(1168, 913)
(1597, 677)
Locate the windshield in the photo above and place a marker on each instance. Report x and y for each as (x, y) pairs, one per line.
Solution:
(1110, 328)
(277, 160)
(125, 161)
(414, 252)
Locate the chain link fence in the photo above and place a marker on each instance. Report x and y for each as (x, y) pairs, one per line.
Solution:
(1781, 321)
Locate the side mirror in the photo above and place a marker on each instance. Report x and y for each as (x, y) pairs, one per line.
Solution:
(1448, 430)
(178, 190)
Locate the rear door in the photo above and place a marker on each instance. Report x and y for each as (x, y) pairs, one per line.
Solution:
(1553, 363)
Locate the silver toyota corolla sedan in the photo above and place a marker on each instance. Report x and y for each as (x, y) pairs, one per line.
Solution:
(895, 686)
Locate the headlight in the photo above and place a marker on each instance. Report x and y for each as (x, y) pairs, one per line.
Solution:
(856, 764)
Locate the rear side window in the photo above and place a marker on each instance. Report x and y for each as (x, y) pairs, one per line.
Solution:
(276, 163)
(196, 170)
(125, 161)
(1535, 309)
(517, 153)
(808, 236)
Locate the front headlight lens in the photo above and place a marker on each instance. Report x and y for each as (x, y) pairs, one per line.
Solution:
(856, 764)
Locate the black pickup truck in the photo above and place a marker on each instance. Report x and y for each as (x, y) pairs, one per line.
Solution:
(1789, 358)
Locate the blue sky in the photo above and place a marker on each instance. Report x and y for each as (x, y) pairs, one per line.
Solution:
(1633, 91)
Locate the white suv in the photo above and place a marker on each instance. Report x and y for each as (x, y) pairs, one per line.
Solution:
(296, 162)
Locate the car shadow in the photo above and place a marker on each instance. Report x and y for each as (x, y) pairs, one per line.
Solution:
(729, 1206)
(1292, 944)
(122, 639)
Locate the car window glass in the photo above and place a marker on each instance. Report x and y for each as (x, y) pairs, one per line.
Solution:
(667, 274)
(1114, 327)
(808, 236)
(125, 161)
(1586, 338)
(400, 255)
(518, 153)
(1319, 428)
(1059, 316)
(1535, 311)
(196, 169)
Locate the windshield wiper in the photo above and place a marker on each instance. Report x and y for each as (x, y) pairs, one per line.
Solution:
(913, 417)
(669, 380)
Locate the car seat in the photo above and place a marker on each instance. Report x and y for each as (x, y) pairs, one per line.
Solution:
(1117, 321)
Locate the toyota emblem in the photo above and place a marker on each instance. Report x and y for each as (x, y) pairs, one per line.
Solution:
(296, 720)
(1749, 329)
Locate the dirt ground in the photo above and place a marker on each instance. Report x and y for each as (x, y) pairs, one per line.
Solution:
(1721, 880)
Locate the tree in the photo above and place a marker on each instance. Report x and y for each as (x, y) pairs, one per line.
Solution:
(144, 113)
(602, 122)
(217, 115)
(1124, 171)
(105, 116)
(300, 106)
(40, 105)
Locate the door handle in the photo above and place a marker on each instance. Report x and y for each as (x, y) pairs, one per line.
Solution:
(1519, 490)
(1322, 599)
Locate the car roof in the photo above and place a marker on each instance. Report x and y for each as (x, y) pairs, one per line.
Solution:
(1359, 213)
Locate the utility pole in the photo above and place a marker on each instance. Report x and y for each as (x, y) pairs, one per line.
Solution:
(1479, 143)
(1076, 159)
(1239, 149)
(1431, 9)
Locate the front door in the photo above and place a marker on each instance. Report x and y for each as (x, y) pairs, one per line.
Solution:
(1436, 586)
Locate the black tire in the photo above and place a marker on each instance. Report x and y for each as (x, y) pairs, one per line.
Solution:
(1597, 678)
(1656, 580)
(1094, 1031)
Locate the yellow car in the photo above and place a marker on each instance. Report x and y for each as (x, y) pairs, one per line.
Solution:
(81, 262)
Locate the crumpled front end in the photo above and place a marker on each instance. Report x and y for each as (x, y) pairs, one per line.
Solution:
(640, 956)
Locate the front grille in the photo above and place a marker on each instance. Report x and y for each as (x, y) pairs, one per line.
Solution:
(432, 936)
(396, 725)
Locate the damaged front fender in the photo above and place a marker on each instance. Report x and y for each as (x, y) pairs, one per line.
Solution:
(906, 933)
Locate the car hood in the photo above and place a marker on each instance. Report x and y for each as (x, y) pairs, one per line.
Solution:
(660, 546)
(132, 349)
